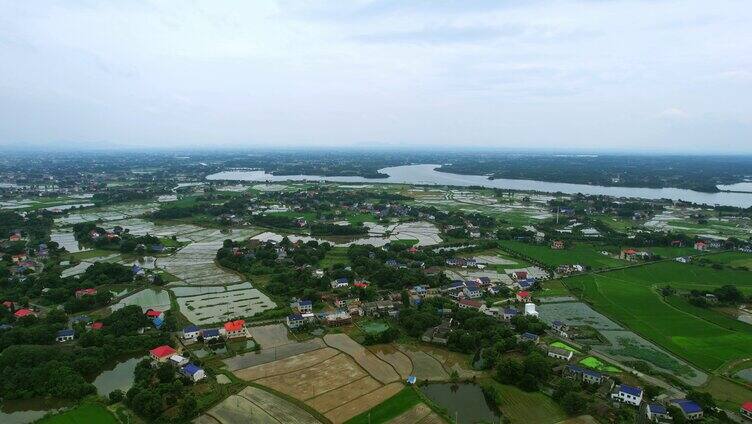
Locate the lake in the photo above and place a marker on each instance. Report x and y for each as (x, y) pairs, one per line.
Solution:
(462, 400)
(118, 376)
(427, 174)
(22, 411)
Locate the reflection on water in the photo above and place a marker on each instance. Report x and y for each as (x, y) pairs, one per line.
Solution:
(24, 411)
(427, 174)
(118, 376)
(465, 401)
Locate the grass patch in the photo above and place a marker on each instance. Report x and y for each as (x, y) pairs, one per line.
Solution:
(337, 255)
(552, 289)
(85, 413)
(582, 253)
(390, 408)
(727, 393)
(597, 364)
(564, 346)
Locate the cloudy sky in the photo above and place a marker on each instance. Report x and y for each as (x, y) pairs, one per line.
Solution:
(593, 74)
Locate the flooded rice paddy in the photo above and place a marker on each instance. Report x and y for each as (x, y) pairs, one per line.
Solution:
(239, 300)
(465, 401)
(146, 299)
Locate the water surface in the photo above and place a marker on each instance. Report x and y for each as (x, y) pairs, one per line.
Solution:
(465, 401)
(427, 174)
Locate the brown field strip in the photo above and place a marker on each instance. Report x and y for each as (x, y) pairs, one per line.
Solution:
(411, 416)
(379, 369)
(236, 410)
(280, 409)
(425, 366)
(363, 403)
(432, 418)
(311, 382)
(283, 366)
(398, 360)
(344, 394)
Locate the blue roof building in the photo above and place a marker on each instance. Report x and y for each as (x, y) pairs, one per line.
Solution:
(688, 407)
(210, 333)
(66, 332)
(191, 329)
(630, 390)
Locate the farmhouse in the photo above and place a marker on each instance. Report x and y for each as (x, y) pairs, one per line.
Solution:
(628, 394)
(191, 332)
(340, 283)
(746, 410)
(519, 275)
(471, 290)
(210, 334)
(338, 318)
(523, 296)
(177, 360)
(529, 337)
(21, 313)
(701, 246)
(560, 327)
(235, 329)
(97, 325)
(162, 353)
(85, 292)
(438, 334)
(557, 245)
(690, 409)
(633, 255)
(295, 321)
(193, 372)
(657, 412)
(469, 304)
(64, 335)
(683, 259)
(303, 306)
(530, 310)
(509, 313)
(586, 375)
(558, 353)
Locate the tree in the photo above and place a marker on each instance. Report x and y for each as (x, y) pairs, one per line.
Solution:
(574, 403)
(188, 407)
(116, 396)
(509, 371)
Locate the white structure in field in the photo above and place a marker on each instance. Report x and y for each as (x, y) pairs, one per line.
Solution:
(530, 310)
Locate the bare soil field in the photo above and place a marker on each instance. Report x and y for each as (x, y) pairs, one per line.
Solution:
(398, 360)
(271, 335)
(363, 403)
(283, 366)
(414, 415)
(344, 394)
(425, 366)
(256, 406)
(311, 382)
(250, 359)
(379, 369)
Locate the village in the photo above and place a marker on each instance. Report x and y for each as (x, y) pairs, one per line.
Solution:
(390, 299)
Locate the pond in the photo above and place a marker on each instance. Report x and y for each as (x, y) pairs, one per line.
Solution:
(22, 411)
(118, 376)
(146, 299)
(745, 374)
(427, 174)
(463, 401)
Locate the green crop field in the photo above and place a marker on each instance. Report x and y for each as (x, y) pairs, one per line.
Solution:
(524, 407)
(390, 408)
(597, 364)
(702, 337)
(562, 345)
(83, 414)
(582, 253)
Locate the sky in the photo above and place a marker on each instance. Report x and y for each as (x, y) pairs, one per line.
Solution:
(590, 75)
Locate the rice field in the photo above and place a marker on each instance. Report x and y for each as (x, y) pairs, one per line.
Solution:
(239, 300)
(705, 338)
(257, 406)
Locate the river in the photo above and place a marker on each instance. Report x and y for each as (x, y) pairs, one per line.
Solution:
(427, 174)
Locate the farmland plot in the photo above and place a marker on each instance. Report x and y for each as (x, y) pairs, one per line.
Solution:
(271, 354)
(375, 366)
(705, 338)
(234, 301)
(147, 299)
(256, 406)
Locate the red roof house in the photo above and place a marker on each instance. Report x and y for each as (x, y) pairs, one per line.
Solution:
(153, 313)
(523, 296)
(97, 326)
(413, 249)
(701, 245)
(746, 410)
(361, 284)
(162, 353)
(24, 313)
(85, 292)
(471, 304)
(8, 304)
(235, 328)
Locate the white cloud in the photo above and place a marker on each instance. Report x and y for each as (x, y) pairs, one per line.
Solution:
(570, 73)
